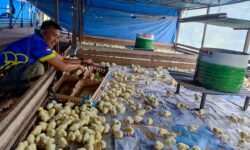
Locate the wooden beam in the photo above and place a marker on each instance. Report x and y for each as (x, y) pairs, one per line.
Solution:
(124, 42)
(10, 9)
(144, 63)
(136, 52)
(246, 46)
(74, 26)
(80, 18)
(16, 120)
(56, 13)
(29, 124)
(187, 46)
(146, 55)
(186, 50)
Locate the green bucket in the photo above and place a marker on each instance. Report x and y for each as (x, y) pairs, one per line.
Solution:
(144, 42)
(221, 70)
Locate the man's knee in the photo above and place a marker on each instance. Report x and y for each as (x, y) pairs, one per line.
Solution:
(34, 70)
(38, 69)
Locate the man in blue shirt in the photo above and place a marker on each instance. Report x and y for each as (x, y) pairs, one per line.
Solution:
(21, 60)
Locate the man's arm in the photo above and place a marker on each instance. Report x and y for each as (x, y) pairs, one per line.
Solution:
(58, 63)
(87, 61)
(60, 56)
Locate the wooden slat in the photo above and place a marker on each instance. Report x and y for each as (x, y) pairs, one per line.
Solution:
(188, 46)
(144, 63)
(120, 41)
(29, 124)
(100, 87)
(139, 54)
(16, 119)
(131, 51)
(186, 50)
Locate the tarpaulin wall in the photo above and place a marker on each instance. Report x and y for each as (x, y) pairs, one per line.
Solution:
(28, 12)
(118, 19)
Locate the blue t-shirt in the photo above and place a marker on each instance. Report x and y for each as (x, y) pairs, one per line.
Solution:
(26, 50)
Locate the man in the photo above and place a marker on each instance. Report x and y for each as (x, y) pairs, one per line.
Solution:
(21, 60)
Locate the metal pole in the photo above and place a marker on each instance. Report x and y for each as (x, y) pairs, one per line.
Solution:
(178, 28)
(57, 20)
(83, 16)
(246, 46)
(74, 43)
(10, 24)
(80, 25)
(204, 31)
(31, 16)
(22, 3)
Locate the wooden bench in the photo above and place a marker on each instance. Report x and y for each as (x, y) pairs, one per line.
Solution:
(186, 80)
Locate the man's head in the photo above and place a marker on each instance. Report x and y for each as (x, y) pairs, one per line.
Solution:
(50, 32)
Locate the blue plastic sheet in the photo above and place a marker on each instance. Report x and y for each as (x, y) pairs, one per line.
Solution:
(178, 122)
(117, 24)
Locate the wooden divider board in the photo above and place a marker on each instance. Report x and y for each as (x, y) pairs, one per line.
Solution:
(136, 54)
(141, 62)
(121, 41)
(16, 121)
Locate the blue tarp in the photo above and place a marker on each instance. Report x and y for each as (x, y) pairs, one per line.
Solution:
(117, 23)
(177, 4)
(28, 13)
(114, 18)
(109, 23)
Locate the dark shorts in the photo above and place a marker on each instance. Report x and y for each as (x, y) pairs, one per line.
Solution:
(18, 77)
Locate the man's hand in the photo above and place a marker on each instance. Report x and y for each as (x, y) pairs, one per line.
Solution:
(88, 61)
(82, 68)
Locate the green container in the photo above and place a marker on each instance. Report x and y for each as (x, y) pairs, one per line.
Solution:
(144, 41)
(221, 70)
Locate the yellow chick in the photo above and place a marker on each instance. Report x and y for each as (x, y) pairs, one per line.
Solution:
(169, 141)
(150, 121)
(130, 131)
(118, 134)
(162, 132)
(195, 148)
(158, 145)
(128, 120)
(193, 127)
(182, 146)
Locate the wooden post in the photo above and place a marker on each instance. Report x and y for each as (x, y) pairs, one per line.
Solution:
(246, 46)
(74, 36)
(80, 25)
(83, 16)
(56, 2)
(204, 31)
(10, 9)
(22, 4)
(178, 28)
(31, 16)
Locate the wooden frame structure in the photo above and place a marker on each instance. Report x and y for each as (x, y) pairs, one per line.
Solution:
(143, 58)
(80, 83)
(186, 79)
(15, 123)
(194, 50)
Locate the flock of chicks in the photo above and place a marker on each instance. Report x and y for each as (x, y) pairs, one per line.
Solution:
(61, 126)
(124, 47)
(64, 124)
(120, 96)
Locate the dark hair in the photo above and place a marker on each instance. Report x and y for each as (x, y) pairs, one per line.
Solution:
(50, 24)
